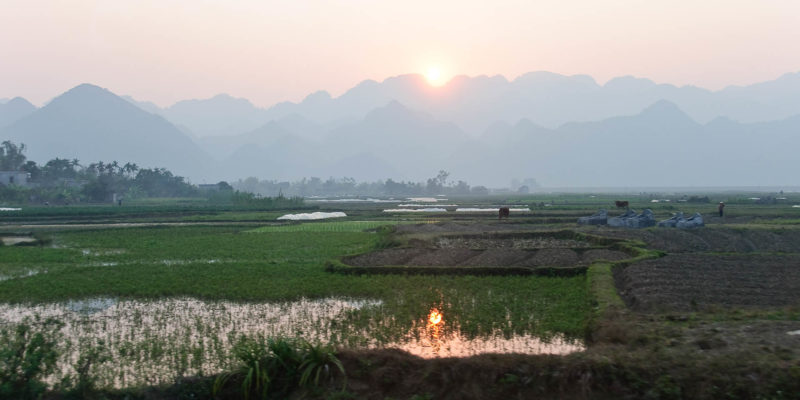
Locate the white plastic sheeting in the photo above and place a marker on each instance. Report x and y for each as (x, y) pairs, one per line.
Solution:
(491, 209)
(10, 209)
(431, 210)
(424, 205)
(311, 216)
(367, 200)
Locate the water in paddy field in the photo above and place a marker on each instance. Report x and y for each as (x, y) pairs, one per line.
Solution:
(436, 336)
(14, 240)
(153, 342)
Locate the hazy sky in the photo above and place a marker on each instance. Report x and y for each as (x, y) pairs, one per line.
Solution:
(270, 51)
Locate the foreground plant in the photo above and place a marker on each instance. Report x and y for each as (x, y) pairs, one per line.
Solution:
(274, 368)
(28, 353)
(84, 382)
(317, 362)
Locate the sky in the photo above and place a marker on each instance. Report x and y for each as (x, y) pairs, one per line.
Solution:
(271, 51)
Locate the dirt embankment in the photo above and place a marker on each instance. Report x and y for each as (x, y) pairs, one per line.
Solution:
(452, 227)
(540, 242)
(558, 257)
(686, 282)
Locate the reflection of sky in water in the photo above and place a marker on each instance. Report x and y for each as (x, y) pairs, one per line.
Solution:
(13, 240)
(24, 273)
(191, 337)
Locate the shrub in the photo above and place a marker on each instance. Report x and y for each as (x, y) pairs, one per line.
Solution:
(274, 368)
(318, 362)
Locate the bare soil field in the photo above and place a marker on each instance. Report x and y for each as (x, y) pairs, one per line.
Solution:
(686, 282)
(491, 249)
(711, 239)
(509, 243)
(488, 258)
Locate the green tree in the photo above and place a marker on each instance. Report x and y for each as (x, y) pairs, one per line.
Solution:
(12, 157)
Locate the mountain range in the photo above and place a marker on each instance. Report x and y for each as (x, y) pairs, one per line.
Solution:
(92, 124)
(560, 130)
(474, 103)
(14, 109)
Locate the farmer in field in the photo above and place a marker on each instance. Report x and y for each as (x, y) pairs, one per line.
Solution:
(720, 208)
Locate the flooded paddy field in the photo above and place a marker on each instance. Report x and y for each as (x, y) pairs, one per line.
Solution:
(153, 342)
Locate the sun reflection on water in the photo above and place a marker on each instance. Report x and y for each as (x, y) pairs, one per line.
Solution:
(434, 339)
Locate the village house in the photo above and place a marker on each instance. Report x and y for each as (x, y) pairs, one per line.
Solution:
(19, 178)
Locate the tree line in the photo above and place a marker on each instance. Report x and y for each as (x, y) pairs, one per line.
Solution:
(314, 186)
(67, 181)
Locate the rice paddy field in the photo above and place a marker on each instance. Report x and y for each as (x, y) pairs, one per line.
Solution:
(157, 302)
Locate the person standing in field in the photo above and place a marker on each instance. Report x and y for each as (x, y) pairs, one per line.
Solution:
(720, 208)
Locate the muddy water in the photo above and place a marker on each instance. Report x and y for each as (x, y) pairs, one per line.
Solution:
(152, 342)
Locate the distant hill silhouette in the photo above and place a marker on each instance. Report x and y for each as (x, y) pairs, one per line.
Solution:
(474, 103)
(14, 109)
(661, 146)
(550, 100)
(560, 130)
(145, 105)
(219, 115)
(92, 124)
(390, 139)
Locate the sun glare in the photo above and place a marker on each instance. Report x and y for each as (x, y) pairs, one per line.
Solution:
(434, 317)
(434, 76)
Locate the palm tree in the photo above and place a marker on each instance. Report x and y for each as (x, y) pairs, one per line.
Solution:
(130, 168)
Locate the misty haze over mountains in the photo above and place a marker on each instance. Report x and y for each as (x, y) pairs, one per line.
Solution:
(560, 130)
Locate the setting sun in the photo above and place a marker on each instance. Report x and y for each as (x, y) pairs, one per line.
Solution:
(434, 76)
